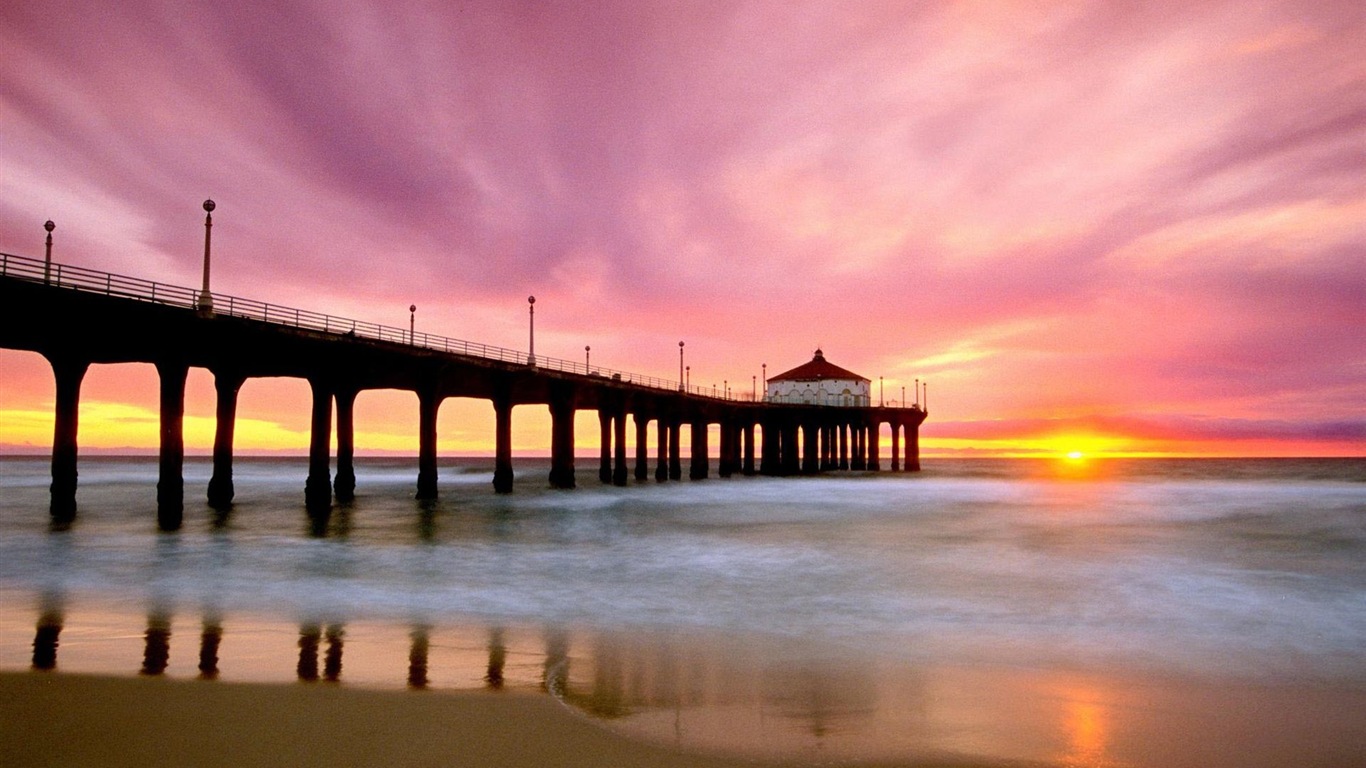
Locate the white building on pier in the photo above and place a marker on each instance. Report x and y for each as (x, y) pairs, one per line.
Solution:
(819, 382)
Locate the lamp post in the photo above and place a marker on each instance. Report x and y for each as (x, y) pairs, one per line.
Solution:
(881, 392)
(206, 298)
(681, 386)
(753, 388)
(903, 397)
(531, 314)
(764, 367)
(47, 260)
(725, 388)
(925, 389)
(586, 351)
(412, 322)
(690, 377)
(917, 393)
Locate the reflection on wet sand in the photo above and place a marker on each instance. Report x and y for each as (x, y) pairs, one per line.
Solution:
(417, 658)
(157, 646)
(497, 659)
(821, 700)
(310, 641)
(332, 662)
(556, 667)
(761, 700)
(309, 637)
(209, 641)
(49, 628)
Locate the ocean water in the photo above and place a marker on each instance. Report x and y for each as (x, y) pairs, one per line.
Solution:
(888, 600)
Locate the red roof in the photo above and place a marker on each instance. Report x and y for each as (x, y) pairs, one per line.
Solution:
(816, 370)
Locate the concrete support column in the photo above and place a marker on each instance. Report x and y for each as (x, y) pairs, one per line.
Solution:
(662, 451)
(896, 446)
(171, 481)
(318, 487)
(345, 483)
(748, 467)
(779, 435)
(562, 437)
(502, 438)
(225, 384)
(68, 374)
(912, 448)
(723, 450)
(605, 446)
(863, 447)
(858, 437)
(730, 461)
(427, 405)
(844, 446)
(642, 446)
(699, 467)
(768, 450)
(874, 446)
(823, 433)
(675, 452)
(810, 447)
(619, 435)
(791, 452)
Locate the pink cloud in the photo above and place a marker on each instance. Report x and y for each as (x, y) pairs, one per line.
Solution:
(1104, 203)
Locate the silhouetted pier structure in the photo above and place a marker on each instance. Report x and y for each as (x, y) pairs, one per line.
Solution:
(76, 317)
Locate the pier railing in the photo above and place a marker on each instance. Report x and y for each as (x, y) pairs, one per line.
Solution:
(137, 289)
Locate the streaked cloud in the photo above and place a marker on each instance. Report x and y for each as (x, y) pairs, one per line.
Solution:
(1072, 210)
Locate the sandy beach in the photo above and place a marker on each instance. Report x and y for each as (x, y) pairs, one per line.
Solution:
(76, 720)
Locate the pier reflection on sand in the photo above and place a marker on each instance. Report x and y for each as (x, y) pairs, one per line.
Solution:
(770, 698)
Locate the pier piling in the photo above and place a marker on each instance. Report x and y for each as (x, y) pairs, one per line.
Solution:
(318, 487)
(68, 373)
(226, 386)
(171, 480)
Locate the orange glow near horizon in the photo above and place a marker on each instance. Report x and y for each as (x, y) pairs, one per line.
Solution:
(386, 425)
(119, 414)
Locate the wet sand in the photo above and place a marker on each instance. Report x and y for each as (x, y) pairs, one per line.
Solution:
(78, 720)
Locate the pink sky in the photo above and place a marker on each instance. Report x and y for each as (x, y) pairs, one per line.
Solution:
(1139, 223)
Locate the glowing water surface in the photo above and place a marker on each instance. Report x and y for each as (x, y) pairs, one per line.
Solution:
(1081, 613)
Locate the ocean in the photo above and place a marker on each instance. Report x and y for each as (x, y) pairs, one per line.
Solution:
(1097, 612)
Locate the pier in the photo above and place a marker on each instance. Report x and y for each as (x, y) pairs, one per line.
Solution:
(76, 317)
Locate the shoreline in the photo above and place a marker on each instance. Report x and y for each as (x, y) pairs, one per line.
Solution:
(51, 718)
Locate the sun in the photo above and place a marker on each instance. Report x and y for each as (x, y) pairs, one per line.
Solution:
(1075, 455)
